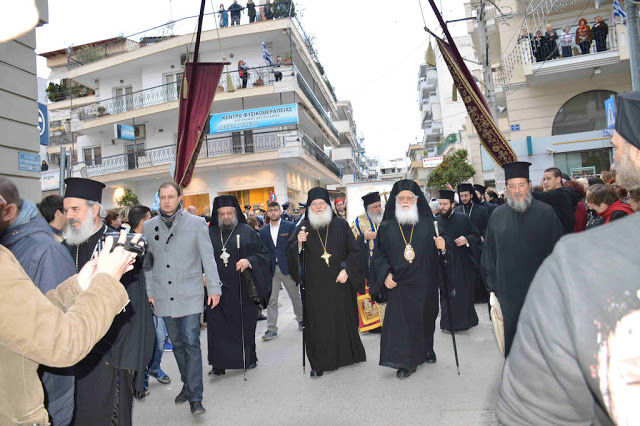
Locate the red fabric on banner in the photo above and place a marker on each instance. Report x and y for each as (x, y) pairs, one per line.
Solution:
(199, 85)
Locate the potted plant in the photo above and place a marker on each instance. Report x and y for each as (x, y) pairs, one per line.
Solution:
(102, 111)
(287, 59)
(259, 81)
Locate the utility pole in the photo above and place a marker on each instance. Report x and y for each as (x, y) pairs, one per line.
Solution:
(490, 91)
(633, 29)
(63, 166)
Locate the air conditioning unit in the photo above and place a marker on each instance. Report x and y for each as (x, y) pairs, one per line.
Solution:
(141, 131)
(183, 58)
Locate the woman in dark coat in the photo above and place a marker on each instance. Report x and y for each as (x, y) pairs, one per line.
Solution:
(600, 31)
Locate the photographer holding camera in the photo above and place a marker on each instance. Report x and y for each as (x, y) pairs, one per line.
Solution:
(57, 329)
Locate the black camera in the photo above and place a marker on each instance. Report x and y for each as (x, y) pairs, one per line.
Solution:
(136, 248)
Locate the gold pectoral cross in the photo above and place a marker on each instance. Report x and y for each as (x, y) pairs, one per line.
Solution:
(326, 257)
(225, 256)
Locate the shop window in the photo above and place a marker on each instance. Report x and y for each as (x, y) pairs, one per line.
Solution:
(598, 158)
(92, 156)
(582, 113)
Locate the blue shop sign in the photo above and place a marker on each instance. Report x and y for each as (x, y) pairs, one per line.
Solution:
(253, 118)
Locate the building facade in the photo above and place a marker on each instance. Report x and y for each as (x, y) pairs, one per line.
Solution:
(123, 132)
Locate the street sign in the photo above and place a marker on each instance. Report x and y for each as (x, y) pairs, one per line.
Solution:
(610, 108)
(428, 162)
(43, 124)
(515, 127)
(125, 132)
(28, 162)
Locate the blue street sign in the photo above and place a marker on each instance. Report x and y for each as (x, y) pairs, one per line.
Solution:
(43, 124)
(515, 127)
(28, 162)
(610, 108)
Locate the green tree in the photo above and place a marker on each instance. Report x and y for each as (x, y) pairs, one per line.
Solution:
(281, 8)
(454, 169)
(129, 198)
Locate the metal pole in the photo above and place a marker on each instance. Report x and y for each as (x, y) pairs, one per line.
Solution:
(486, 63)
(633, 27)
(63, 160)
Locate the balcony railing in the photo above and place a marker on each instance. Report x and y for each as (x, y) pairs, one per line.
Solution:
(61, 139)
(212, 147)
(259, 76)
(314, 100)
(157, 34)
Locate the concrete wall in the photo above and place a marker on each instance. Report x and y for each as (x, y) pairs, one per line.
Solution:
(19, 110)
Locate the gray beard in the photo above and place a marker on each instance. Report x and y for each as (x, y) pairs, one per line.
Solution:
(319, 221)
(225, 228)
(408, 217)
(375, 218)
(520, 206)
(627, 176)
(75, 237)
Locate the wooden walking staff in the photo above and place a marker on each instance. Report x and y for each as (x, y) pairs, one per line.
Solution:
(303, 272)
(443, 261)
(244, 361)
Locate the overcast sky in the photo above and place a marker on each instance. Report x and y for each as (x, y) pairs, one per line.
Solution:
(370, 51)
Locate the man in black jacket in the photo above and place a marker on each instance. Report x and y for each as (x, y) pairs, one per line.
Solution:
(562, 199)
(235, 10)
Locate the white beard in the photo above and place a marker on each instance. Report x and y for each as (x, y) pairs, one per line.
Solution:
(376, 218)
(407, 217)
(319, 221)
(520, 206)
(78, 236)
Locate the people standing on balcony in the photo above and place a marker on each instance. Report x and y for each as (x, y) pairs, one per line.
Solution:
(551, 43)
(278, 64)
(224, 16)
(538, 44)
(527, 42)
(268, 11)
(251, 11)
(600, 31)
(583, 36)
(566, 42)
(236, 11)
(243, 73)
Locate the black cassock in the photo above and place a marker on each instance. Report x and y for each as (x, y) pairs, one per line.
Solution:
(224, 324)
(480, 218)
(412, 306)
(107, 376)
(514, 249)
(330, 308)
(461, 272)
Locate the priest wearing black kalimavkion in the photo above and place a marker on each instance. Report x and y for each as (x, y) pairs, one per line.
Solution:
(108, 376)
(480, 191)
(333, 276)
(521, 235)
(471, 206)
(365, 228)
(407, 275)
(462, 242)
(246, 282)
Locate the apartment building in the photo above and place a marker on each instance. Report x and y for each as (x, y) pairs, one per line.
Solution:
(122, 132)
(554, 104)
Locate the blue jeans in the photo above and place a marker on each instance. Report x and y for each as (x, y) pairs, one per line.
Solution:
(161, 332)
(184, 333)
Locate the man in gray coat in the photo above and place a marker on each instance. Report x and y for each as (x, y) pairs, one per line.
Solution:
(180, 249)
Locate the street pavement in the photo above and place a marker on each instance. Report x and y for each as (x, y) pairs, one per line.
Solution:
(277, 393)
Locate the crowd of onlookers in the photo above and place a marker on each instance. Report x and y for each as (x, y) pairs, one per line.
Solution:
(549, 45)
(255, 12)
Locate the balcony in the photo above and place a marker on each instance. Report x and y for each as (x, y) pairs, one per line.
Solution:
(60, 139)
(212, 147)
(315, 102)
(165, 93)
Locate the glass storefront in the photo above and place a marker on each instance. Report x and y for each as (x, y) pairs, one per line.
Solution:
(256, 198)
(601, 159)
(582, 113)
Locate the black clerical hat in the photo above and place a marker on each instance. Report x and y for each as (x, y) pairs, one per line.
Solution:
(517, 169)
(285, 206)
(481, 189)
(370, 198)
(466, 187)
(226, 200)
(628, 117)
(317, 193)
(446, 194)
(87, 189)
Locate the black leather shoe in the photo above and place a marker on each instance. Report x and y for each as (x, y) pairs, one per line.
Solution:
(431, 358)
(197, 409)
(402, 373)
(252, 365)
(261, 317)
(182, 396)
(316, 373)
(217, 372)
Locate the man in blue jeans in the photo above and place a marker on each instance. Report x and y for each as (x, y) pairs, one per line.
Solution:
(180, 250)
(154, 366)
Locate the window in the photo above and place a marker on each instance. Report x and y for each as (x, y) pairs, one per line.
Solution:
(582, 113)
(134, 152)
(599, 158)
(172, 83)
(92, 156)
(124, 98)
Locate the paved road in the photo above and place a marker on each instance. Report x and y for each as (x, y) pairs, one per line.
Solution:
(277, 393)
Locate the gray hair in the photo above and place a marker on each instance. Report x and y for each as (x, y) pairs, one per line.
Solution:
(434, 205)
(102, 212)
